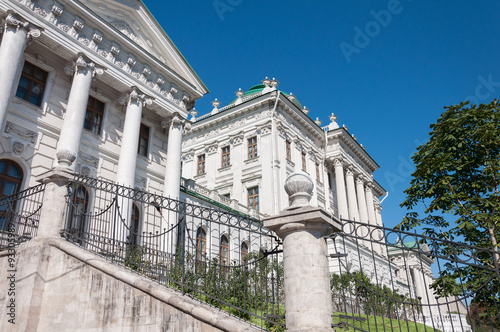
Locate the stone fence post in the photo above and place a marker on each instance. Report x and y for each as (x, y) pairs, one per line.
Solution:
(302, 228)
(53, 213)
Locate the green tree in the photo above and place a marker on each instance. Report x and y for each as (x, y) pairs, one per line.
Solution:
(458, 172)
(457, 178)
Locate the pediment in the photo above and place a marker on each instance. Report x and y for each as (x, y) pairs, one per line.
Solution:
(133, 19)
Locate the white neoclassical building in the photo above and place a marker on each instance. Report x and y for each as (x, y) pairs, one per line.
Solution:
(97, 87)
(100, 89)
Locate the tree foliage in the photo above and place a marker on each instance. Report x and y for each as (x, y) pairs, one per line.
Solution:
(458, 173)
(457, 177)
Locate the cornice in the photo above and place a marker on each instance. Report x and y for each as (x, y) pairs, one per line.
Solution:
(343, 135)
(102, 42)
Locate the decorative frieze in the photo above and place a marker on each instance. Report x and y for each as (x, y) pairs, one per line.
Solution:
(55, 13)
(89, 160)
(31, 135)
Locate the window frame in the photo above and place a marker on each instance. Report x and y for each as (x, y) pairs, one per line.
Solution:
(93, 111)
(32, 79)
(201, 248)
(253, 193)
(201, 161)
(225, 152)
(224, 254)
(288, 149)
(252, 143)
(135, 220)
(17, 181)
(144, 137)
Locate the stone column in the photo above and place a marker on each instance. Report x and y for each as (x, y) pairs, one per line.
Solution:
(326, 186)
(369, 204)
(16, 32)
(69, 139)
(351, 194)
(340, 186)
(360, 188)
(308, 304)
(362, 231)
(127, 162)
(172, 179)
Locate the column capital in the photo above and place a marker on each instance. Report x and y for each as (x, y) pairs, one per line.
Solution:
(83, 63)
(360, 180)
(369, 186)
(176, 121)
(337, 161)
(136, 96)
(14, 21)
(350, 170)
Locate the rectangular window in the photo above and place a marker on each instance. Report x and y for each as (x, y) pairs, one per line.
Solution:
(32, 84)
(201, 164)
(94, 115)
(252, 148)
(288, 150)
(253, 198)
(318, 177)
(226, 157)
(304, 168)
(143, 140)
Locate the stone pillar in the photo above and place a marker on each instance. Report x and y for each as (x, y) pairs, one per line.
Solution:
(351, 194)
(16, 32)
(369, 204)
(326, 185)
(340, 187)
(172, 180)
(362, 231)
(125, 174)
(308, 304)
(54, 207)
(71, 132)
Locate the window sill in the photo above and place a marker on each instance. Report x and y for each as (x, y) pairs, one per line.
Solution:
(223, 169)
(27, 104)
(200, 176)
(252, 160)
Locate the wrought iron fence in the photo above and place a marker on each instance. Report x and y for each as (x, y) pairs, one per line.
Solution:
(20, 215)
(386, 280)
(222, 258)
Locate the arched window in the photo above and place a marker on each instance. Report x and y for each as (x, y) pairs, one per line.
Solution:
(224, 255)
(134, 226)
(201, 247)
(11, 178)
(244, 252)
(78, 211)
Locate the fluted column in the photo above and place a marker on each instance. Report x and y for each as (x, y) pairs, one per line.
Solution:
(173, 166)
(340, 187)
(369, 204)
(135, 100)
(326, 185)
(69, 140)
(351, 194)
(16, 32)
(360, 188)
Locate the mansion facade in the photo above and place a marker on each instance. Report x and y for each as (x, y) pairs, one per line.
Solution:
(99, 89)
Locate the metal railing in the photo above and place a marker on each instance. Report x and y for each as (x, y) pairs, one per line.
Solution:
(20, 216)
(388, 280)
(189, 186)
(224, 259)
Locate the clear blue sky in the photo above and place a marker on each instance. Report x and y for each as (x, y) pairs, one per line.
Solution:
(388, 89)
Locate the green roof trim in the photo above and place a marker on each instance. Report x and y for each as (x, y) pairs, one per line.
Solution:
(406, 245)
(258, 88)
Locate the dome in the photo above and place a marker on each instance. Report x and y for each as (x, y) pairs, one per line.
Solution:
(258, 88)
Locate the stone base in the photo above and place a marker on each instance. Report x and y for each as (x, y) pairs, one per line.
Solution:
(61, 287)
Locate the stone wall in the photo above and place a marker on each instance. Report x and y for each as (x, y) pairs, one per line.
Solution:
(61, 287)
